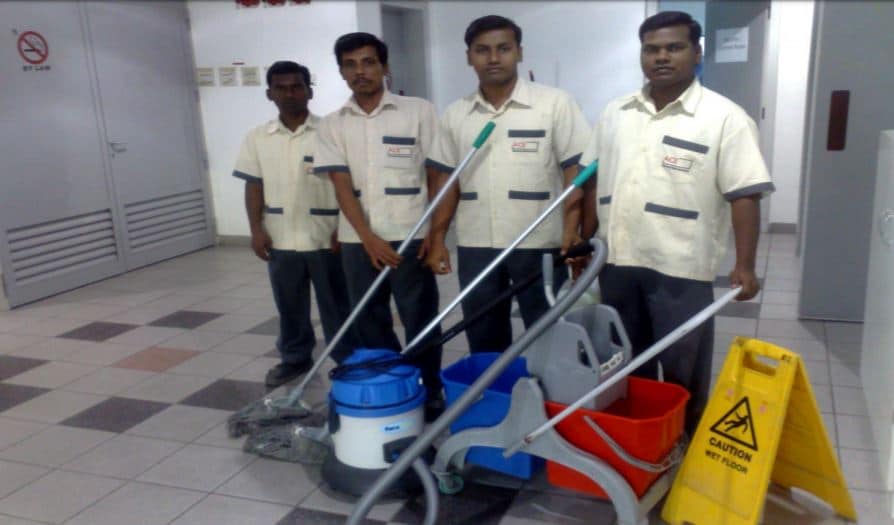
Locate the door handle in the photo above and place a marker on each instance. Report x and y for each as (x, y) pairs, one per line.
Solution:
(117, 147)
(886, 226)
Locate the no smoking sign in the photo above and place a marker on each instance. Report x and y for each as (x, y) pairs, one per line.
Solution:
(33, 49)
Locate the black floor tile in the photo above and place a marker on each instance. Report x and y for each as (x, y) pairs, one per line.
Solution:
(116, 414)
(475, 505)
(188, 319)
(746, 310)
(301, 516)
(226, 394)
(268, 327)
(11, 366)
(98, 331)
(12, 395)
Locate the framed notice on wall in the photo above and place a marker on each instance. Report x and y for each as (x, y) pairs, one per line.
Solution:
(227, 76)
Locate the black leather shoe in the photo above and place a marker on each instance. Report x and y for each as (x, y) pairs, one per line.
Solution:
(285, 372)
(434, 407)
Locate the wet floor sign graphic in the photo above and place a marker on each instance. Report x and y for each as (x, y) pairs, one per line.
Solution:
(762, 424)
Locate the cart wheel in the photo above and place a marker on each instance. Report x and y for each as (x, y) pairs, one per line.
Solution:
(450, 484)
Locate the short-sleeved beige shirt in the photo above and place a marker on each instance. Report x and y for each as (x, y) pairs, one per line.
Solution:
(300, 209)
(384, 152)
(666, 179)
(539, 131)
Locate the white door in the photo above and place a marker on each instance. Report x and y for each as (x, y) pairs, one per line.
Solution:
(145, 75)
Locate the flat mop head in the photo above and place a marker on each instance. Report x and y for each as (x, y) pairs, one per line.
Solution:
(294, 443)
(266, 413)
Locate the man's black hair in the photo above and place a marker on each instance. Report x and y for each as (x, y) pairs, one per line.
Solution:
(354, 41)
(287, 67)
(490, 23)
(670, 19)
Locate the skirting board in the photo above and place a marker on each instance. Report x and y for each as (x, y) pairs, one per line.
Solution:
(782, 227)
(233, 240)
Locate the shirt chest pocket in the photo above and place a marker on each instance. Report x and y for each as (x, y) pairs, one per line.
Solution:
(526, 146)
(682, 160)
(399, 153)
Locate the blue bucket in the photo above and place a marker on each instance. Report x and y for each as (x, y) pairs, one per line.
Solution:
(488, 411)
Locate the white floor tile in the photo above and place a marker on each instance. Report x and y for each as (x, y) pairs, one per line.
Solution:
(222, 510)
(735, 325)
(55, 445)
(200, 341)
(57, 496)
(233, 323)
(273, 481)
(108, 381)
(123, 456)
(854, 432)
(10, 342)
(167, 388)
(14, 476)
(13, 431)
(850, 401)
(255, 370)
(779, 298)
(180, 423)
(861, 469)
(247, 344)
(844, 332)
(54, 406)
(89, 311)
(52, 375)
(211, 364)
(812, 330)
(46, 348)
(218, 437)
(846, 375)
(808, 349)
(102, 354)
(145, 336)
(139, 504)
(46, 327)
(198, 467)
(873, 508)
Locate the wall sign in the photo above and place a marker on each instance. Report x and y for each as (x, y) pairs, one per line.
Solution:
(205, 76)
(33, 49)
(227, 76)
(732, 45)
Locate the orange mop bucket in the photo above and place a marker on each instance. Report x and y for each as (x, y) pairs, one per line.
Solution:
(647, 424)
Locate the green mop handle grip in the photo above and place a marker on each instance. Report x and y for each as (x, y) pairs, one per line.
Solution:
(587, 172)
(482, 137)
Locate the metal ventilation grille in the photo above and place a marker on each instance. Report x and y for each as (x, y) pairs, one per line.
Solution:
(53, 248)
(165, 219)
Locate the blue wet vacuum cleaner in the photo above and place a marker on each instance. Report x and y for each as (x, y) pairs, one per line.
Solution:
(376, 410)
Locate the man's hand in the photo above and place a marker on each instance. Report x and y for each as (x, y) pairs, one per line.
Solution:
(261, 244)
(438, 259)
(747, 279)
(334, 245)
(380, 252)
(577, 264)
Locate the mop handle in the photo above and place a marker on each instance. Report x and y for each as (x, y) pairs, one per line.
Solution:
(578, 181)
(654, 350)
(482, 138)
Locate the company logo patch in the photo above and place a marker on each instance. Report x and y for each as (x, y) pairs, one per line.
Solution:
(400, 151)
(526, 146)
(677, 163)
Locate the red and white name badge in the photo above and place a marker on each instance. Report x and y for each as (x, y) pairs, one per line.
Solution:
(526, 146)
(677, 163)
(400, 151)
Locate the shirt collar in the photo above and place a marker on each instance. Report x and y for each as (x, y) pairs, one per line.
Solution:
(521, 94)
(688, 100)
(276, 125)
(388, 100)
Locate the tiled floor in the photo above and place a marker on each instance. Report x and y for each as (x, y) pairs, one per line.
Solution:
(113, 399)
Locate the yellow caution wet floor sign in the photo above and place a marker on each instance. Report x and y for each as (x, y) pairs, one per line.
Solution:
(761, 424)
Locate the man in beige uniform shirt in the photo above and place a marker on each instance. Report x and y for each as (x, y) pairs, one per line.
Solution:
(293, 214)
(532, 154)
(373, 149)
(677, 164)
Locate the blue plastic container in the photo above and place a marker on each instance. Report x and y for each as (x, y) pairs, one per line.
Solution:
(488, 411)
